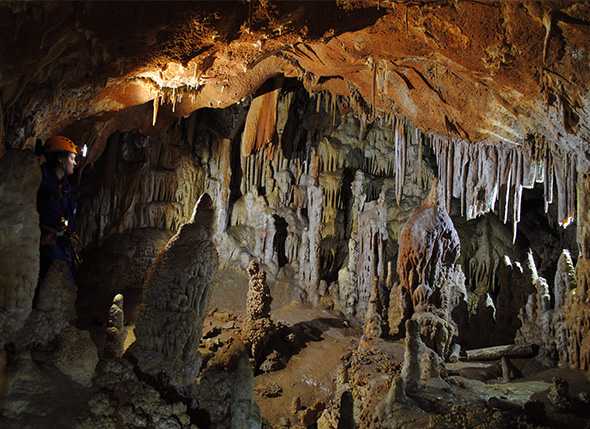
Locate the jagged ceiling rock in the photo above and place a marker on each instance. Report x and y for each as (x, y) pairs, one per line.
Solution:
(478, 70)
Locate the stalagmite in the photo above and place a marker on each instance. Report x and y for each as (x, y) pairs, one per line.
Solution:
(415, 266)
(389, 278)
(565, 278)
(422, 366)
(431, 285)
(116, 332)
(176, 292)
(372, 234)
(257, 327)
(373, 320)
(309, 258)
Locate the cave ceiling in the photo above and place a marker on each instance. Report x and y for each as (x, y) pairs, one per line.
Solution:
(501, 71)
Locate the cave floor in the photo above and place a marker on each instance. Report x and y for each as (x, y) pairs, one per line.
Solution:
(296, 394)
(308, 375)
(308, 380)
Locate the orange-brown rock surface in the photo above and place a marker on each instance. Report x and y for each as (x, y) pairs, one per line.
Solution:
(476, 70)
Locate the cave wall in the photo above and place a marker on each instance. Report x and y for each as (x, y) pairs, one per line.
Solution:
(577, 305)
(317, 186)
(318, 190)
(20, 177)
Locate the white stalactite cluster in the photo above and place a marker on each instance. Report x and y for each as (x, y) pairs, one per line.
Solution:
(167, 94)
(490, 177)
(483, 176)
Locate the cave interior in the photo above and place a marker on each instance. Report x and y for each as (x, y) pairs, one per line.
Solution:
(317, 214)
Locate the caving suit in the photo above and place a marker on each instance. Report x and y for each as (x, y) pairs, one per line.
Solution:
(57, 209)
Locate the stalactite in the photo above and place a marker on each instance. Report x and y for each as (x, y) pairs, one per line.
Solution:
(400, 157)
(374, 70)
(156, 107)
(564, 173)
(260, 122)
(475, 173)
(548, 180)
(174, 97)
(334, 109)
(153, 198)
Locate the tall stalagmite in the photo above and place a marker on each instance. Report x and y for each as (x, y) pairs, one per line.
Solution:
(431, 285)
(175, 298)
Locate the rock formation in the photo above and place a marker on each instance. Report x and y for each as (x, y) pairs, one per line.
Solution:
(76, 355)
(577, 305)
(123, 399)
(421, 364)
(54, 309)
(257, 328)
(116, 331)
(428, 242)
(373, 327)
(542, 318)
(20, 176)
(431, 287)
(559, 395)
(170, 320)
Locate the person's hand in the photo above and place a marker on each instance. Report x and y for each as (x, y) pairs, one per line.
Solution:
(48, 239)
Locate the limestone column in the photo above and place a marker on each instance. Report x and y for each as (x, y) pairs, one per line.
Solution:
(224, 184)
(583, 232)
(577, 308)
